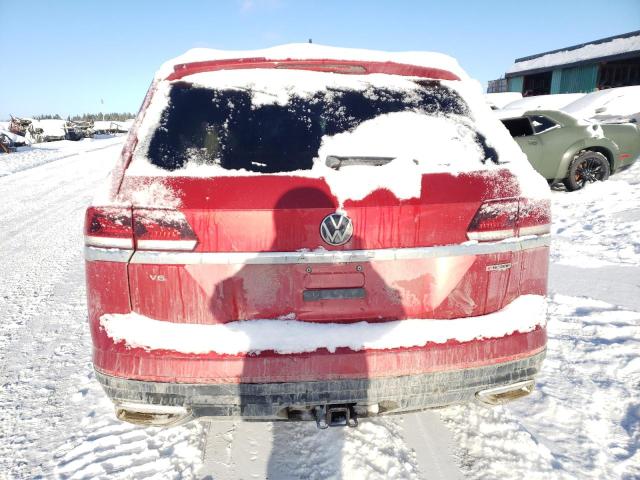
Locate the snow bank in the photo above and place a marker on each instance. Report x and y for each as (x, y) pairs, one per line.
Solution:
(565, 57)
(603, 217)
(290, 336)
(582, 421)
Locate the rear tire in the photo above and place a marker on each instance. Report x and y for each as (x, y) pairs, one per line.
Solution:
(587, 167)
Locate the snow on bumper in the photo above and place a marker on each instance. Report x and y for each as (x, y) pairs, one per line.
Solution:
(445, 363)
(282, 336)
(285, 369)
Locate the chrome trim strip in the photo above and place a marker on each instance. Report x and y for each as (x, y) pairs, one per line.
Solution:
(108, 242)
(490, 235)
(535, 230)
(326, 256)
(167, 244)
(92, 254)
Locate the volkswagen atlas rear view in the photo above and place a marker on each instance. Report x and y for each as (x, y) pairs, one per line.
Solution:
(314, 233)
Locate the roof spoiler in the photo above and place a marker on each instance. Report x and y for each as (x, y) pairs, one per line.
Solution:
(349, 67)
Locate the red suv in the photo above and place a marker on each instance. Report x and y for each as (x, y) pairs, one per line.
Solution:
(315, 233)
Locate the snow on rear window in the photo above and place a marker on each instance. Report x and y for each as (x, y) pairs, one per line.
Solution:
(257, 129)
(253, 122)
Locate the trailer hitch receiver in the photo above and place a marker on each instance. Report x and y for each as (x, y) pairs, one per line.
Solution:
(336, 416)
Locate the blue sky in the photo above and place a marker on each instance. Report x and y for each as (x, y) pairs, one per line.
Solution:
(65, 56)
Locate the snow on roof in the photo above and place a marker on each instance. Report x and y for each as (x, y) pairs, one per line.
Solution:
(615, 46)
(538, 102)
(101, 124)
(614, 102)
(544, 102)
(50, 127)
(14, 138)
(620, 104)
(500, 99)
(422, 144)
(309, 51)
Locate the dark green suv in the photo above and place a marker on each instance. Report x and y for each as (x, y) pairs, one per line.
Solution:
(564, 149)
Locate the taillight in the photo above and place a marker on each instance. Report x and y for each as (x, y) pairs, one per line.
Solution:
(495, 220)
(501, 219)
(534, 217)
(162, 230)
(109, 227)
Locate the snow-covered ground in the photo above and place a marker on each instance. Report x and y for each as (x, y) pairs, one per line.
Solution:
(41, 153)
(583, 421)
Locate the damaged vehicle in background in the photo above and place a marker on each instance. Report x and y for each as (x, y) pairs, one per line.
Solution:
(111, 127)
(78, 129)
(51, 130)
(48, 130)
(563, 148)
(6, 143)
(19, 126)
(11, 141)
(315, 233)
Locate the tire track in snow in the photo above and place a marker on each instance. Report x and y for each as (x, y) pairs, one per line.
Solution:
(55, 421)
(42, 302)
(376, 449)
(583, 419)
(41, 223)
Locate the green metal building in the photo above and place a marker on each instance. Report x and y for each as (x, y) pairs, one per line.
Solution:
(606, 63)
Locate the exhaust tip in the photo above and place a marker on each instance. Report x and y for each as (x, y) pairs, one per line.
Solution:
(505, 393)
(152, 415)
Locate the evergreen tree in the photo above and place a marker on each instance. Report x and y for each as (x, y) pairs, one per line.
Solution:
(112, 116)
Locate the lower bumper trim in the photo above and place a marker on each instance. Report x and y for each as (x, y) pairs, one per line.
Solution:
(297, 400)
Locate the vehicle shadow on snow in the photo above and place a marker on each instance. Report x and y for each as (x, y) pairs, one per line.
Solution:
(297, 449)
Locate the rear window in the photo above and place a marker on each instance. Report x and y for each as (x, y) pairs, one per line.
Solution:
(226, 127)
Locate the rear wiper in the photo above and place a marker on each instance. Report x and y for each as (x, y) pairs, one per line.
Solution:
(336, 162)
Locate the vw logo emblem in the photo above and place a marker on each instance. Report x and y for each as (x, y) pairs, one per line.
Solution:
(336, 229)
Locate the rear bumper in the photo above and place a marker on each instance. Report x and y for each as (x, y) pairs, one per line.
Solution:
(296, 400)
